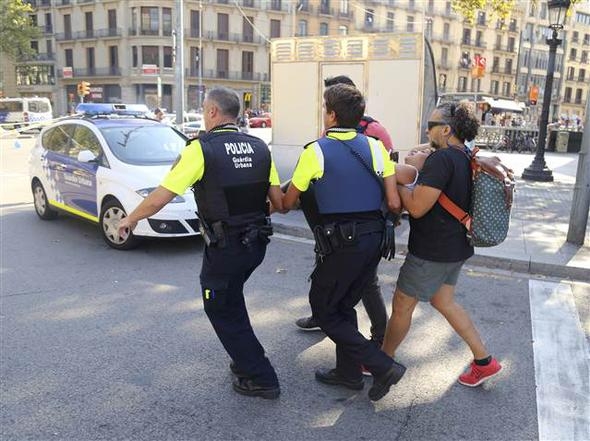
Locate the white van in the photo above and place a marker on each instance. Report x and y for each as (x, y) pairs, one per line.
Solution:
(19, 112)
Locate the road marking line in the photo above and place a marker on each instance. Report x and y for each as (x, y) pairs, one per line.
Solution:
(562, 360)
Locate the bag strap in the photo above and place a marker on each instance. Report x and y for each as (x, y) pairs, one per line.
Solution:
(454, 210)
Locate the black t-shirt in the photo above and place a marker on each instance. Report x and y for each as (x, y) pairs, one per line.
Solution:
(438, 236)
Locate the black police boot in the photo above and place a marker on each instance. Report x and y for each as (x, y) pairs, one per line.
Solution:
(332, 377)
(383, 383)
(246, 386)
(308, 324)
(236, 371)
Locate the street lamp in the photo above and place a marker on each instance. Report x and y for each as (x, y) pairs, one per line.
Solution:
(538, 170)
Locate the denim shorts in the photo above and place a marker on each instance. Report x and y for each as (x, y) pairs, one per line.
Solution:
(421, 278)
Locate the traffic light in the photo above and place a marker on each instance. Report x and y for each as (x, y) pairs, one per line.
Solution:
(83, 88)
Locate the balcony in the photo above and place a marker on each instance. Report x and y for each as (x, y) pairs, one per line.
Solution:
(325, 10)
(249, 4)
(278, 6)
(64, 36)
(345, 15)
(213, 74)
(38, 57)
(108, 32)
(218, 35)
(445, 38)
(39, 3)
(59, 3)
(47, 29)
(113, 71)
(149, 32)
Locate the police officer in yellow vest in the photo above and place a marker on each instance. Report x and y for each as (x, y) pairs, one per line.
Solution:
(351, 174)
(232, 174)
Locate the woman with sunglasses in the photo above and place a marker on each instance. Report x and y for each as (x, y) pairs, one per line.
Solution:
(438, 246)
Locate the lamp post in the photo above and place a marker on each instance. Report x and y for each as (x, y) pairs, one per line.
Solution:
(538, 170)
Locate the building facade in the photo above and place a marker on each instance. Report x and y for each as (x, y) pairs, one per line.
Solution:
(125, 49)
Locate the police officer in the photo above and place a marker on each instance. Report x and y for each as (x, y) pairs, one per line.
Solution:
(351, 174)
(232, 174)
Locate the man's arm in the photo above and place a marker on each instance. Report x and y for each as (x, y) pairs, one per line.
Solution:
(153, 203)
(391, 194)
(291, 197)
(276, 199)
(420, 200)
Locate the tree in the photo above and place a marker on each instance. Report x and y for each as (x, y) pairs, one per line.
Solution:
(500, 8)
(16, 28)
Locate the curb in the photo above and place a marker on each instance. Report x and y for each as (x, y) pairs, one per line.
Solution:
(503, 263)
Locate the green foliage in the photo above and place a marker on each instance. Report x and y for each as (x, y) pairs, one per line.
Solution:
(16, 28)
(498, 8)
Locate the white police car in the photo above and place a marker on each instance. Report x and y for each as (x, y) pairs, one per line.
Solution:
(100, 164)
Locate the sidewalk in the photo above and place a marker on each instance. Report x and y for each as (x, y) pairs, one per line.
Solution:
(536, 242)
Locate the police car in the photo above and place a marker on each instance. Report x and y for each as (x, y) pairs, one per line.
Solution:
(101, 163)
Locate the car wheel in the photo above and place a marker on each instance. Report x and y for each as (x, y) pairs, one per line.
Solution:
(263, 125)
(44, 211)
(111, 214)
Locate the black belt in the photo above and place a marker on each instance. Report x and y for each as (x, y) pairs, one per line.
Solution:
(366, 227)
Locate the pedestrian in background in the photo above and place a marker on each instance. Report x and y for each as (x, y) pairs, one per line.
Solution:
(352, 173)
(438, 246)
(232, 174)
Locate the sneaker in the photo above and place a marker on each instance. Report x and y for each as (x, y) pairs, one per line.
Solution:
(246, 386)
(308, 324)
(478, 374)
(333, 378)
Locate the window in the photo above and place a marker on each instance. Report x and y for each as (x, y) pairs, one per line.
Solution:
(506, 88)
(275, 5)
(390, 23)
(410, 23)
(428, 31)
(511, 44)
(479, 39)
(533, 9)
(167, 21)
(195, 60)
(275, 28)
(462, 85)
(568, 95)
(498, 42)
(512, 26)
(195, 23)
(412, 4)
(495, 87)
(222, 26)
(508, 66)
(112, 19)
(150, 21)
(48, 23)
(342, 30)
(573, 54)
(571, 72)
(481, 18)
(222, 63)
(582, 75)
(543, 13)
(431, 6)
(324, 6)
(579, 96)
(84, 139)
(247, 29)
(35, 46)
(90, 61)
(113, 59)
(586, 39)
(496, 65)
(247, 65)
(89, 24)
(465, 60)
(69, 56)
(448, 8)
(150, 55)
(369, 18)
(583, 58)
(58, 139)
(575, 37)
(466, 36)
(344, 7)
(444, 57)
(168, 62)
(323, 28)
(49, 45)
(68, 26)
(134, 56)
(528, 32)
(302, 28)
(447, 32)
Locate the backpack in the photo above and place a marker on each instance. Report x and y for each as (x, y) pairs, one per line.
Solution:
(492, 193)
(365, 121)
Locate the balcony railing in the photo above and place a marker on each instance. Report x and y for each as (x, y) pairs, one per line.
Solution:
(113, 71)
(64, 2)
(345, 14)
(278, 6)
(64, 36)
(39, 3)
(47, 29)
(325, 10)
(228, 75)
(38, 57)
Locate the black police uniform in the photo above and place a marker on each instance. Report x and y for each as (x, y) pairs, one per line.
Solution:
(349, 201)
(231, 198)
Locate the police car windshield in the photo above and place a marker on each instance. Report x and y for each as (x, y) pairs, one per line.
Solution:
(144, 145)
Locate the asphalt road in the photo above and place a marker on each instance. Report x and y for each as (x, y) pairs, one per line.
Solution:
(98, 344)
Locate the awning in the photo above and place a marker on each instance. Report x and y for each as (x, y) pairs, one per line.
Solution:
(506, 105)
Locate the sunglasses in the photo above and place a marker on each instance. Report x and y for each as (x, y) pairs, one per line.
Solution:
(433, 124)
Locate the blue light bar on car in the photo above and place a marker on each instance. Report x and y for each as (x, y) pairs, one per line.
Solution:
(111, 109)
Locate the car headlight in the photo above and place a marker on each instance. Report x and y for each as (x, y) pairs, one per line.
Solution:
(145, 191)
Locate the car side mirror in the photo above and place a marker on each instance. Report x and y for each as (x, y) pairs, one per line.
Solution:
(86, 156)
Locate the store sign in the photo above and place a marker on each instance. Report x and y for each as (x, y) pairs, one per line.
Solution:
(68, 72)
(96, 93)
(149, 69)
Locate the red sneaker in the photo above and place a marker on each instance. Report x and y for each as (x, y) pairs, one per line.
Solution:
(478, 374)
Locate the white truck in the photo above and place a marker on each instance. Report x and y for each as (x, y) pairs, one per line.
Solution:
(395, 72)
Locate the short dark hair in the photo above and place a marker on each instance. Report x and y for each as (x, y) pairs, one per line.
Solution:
(158, 110)
(226, 99)
(347, 102)
(461, 118)
(339, 79)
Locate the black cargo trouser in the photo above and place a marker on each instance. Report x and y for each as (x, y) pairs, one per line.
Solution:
(223, 274)
(337, 285)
